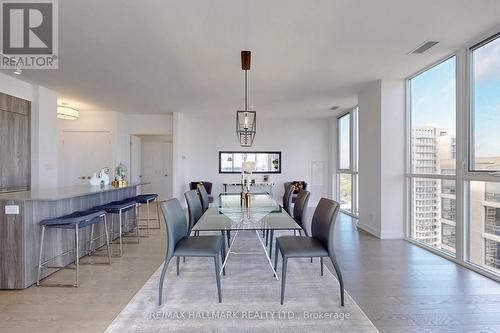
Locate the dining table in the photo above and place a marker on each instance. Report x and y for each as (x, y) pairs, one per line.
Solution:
(262, 214)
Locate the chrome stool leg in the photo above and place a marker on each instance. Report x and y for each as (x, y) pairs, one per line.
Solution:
(107, 239)
(77, 254)
(120, 233)
(40, 257)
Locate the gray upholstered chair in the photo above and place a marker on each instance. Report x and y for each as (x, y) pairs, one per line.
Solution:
(319, 245)
(195, 208)
(205, 202)
(180, 244)
(299, 209)
(287, 199)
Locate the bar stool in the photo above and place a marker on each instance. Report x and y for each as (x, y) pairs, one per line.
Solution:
(147, 199)
(75, 221)
(120, 207)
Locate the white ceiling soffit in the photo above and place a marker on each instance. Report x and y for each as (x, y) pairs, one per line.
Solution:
(160, 56)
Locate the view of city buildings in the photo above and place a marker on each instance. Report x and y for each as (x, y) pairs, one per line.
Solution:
(434, 200)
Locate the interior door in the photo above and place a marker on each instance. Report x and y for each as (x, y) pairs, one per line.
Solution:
(82, 154)
(156, 165)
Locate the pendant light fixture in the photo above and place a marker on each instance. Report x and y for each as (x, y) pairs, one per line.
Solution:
(246, 120)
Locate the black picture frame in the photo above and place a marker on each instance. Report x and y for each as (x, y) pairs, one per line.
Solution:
(250, 152)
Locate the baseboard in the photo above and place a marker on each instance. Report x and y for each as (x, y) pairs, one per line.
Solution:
(393, 235)
(369, 230)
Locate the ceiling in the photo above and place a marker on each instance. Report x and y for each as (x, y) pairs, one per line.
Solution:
(157, 56)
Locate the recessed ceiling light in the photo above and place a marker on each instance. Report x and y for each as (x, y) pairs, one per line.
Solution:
(424, 47)
(333, 108)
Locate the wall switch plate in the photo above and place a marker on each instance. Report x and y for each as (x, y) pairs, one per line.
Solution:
(11, 209)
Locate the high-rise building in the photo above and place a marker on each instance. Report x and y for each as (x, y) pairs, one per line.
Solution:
(434, 202)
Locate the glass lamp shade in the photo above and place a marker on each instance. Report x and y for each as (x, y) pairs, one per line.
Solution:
(64, 112)
(248, 166)
(246, 123)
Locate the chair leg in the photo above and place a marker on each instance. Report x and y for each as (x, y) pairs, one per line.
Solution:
(107, 239)
(271, 236)
(178, 260)
(267, 237)
(162, 278)
(40, 256)
(77, 254)
(276, 257)
(321, 264)
(228, 237)
(283, 279)
(223, 253)
(339, 276)
(149, 216)
(158, 213)
(217, 277)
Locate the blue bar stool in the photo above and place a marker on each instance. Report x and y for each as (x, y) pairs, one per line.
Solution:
(75, 221)
(146, 199)
(120, 207)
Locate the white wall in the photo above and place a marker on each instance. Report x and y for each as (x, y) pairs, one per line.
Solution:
(200, 138)
(381, 158)
(121, 126)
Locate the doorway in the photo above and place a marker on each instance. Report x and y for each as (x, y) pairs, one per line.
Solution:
(151, 162)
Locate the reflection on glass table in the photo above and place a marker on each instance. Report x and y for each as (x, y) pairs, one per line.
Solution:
(264, 213)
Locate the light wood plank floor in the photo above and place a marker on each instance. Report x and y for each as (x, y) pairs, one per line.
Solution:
(401, 288)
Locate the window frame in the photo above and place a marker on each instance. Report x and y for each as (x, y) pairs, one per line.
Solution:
(470, 107)
(352, 171)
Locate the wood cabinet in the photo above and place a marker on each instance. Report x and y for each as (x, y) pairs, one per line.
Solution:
(14, 143)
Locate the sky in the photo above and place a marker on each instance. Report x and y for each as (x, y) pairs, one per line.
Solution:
(433, 98)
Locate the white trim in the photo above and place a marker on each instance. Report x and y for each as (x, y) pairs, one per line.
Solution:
(368, 229)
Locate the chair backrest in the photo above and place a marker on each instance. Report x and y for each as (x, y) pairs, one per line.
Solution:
(287, 198)
(208, 186)
(194, 207)
(299, 209)
(205, 201)
(323, 222)
(175, 221)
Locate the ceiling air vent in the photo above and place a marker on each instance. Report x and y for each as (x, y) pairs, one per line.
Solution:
(424, 47)
(333, 108)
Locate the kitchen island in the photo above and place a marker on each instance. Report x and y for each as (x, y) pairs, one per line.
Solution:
(20, 216)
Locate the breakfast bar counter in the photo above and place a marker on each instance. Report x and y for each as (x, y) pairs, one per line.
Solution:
(20, 216)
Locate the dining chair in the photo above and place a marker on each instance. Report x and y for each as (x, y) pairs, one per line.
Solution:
(299, 209)
(180, 244)
(319, 245)
(205, 202)
(287, 199)
(195, 208)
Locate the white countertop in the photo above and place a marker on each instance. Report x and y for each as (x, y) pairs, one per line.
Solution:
(62, 192)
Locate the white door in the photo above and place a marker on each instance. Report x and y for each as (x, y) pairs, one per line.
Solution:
(317, 187)
(156, 165)
(82, 154)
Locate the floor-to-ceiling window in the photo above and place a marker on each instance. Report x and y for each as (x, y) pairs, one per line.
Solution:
(432, 156)
(347, 166)
(483, 204)
(453, 171)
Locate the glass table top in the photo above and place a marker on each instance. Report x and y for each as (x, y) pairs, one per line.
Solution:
(264, 213)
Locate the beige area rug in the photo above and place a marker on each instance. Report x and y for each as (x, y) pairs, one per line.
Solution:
(250, 298)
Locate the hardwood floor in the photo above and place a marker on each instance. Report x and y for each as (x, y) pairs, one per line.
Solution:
(401, 288)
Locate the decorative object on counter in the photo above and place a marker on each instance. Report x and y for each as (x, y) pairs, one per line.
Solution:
(120, 176)
(246, 120)
(266, 178)
(100, 178)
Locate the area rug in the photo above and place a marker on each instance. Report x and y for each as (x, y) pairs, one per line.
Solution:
(250, 298)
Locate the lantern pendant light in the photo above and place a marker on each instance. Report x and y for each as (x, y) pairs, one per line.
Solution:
(246, 120)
